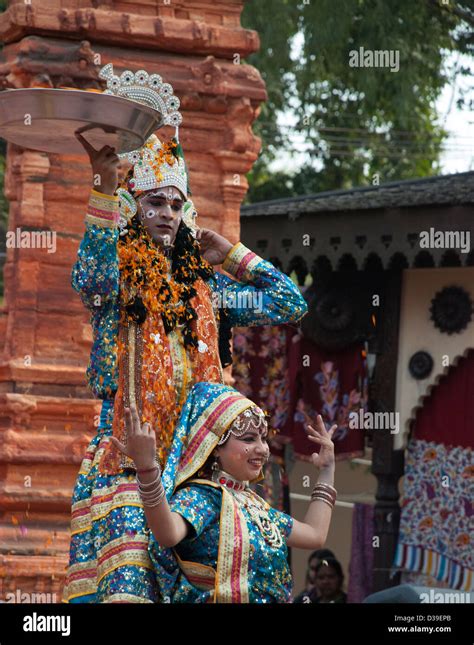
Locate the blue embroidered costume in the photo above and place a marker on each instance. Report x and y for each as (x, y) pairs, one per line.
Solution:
(227, 556)
(109, 558)
(155, 324)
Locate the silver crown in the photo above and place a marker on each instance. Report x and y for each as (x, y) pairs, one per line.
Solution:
(144, 88)
(144, 177)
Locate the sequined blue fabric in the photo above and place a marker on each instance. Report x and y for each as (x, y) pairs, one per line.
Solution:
(95, 277)
(271, 299)
(129, 582)
(269, 573)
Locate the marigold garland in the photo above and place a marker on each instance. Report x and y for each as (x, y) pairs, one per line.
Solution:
(148, 285)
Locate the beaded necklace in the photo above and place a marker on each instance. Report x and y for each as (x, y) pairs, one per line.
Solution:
(256, 507)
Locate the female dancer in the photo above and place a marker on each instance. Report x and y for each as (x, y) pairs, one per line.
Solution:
(213, 538)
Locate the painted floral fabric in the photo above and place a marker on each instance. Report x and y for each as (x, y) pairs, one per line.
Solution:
(437, 523)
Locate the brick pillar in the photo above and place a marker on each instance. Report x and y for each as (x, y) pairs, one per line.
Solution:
(47, 415)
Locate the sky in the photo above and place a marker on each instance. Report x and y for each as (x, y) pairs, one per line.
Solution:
(458, 152)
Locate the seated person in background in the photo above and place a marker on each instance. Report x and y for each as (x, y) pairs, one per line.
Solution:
(313, 561)
(328, 582)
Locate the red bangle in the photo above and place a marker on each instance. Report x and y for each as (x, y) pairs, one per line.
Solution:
(148, 470)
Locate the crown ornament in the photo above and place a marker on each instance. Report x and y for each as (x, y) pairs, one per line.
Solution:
(153, 165)
(151, 170)
(144, 88)
(190, 216)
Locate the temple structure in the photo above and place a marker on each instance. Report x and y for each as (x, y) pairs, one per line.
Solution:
(47, 415)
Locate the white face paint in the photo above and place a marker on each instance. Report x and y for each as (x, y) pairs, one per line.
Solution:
(170, 193)
(160, 213)
(150, 213)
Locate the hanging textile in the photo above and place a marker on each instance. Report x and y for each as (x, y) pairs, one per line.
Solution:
(362, 553)
(294, 381)
(437, 520)
(260, 369)
(333, 384)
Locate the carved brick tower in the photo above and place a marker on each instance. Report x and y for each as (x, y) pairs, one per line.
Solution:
(46, 412)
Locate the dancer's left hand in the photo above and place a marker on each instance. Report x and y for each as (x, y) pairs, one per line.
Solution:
(325, 459)
(214, 247)
(141, 441)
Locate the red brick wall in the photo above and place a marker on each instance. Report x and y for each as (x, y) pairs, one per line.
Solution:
(46, 412)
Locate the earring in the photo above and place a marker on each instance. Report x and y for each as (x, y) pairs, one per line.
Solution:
(215, 464)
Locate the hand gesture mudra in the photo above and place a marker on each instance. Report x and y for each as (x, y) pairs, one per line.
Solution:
(141, 441)
(325, 458)
(214, 247)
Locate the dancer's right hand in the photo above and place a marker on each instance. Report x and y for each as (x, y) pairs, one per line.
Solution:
(141, 441)
(104, 164)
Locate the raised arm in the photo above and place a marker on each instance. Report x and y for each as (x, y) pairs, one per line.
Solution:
(312, 532)
(260, 294)
(168, 527)
(95, 275)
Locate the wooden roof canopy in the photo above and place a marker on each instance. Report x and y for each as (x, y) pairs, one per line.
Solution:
(375, 227)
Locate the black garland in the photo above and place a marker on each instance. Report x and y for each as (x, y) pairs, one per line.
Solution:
(185, 247)
(225, 337)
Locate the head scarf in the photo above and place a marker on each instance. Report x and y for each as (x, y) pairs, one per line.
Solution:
(208, 413)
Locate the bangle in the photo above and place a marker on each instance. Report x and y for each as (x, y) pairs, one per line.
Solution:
(328, 486)
(148, 470)
(152, 497)
(147, 484)
(143, 486)
(330, 500)
(326, 490)
(151, 493)
(154, 500)
(321, 499)
(324, 493)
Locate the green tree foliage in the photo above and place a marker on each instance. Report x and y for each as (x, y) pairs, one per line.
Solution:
(353, 122)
